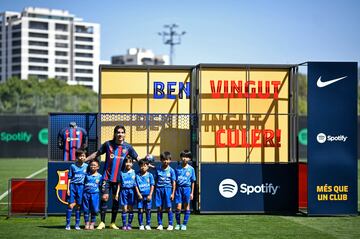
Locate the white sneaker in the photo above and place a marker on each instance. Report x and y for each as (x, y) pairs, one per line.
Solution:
(147, 227)
(67, 228)
(183, 227)
(177, 227)
(160, 227)
(77, 227)
(170, 228)
(142, 228)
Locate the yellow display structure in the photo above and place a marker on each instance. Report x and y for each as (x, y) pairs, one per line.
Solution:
(244, 115)
(241, 112)
(152, 124)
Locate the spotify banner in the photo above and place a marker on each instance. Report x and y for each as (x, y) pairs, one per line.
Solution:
(332, 138)
(255, 187)
(23, 136)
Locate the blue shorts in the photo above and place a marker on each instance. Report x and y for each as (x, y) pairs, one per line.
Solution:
(127, 196)
(91, 202)
(144, 203)
(182, 195)
(108, 186)
(76, 193)
(162, 197)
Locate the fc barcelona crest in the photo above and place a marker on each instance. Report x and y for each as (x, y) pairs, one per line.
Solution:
(62, 185)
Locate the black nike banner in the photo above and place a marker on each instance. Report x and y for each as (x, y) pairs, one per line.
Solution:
(332, 138)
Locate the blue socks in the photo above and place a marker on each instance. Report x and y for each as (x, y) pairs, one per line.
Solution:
(159, 218)
(170, 217)
(140, 218)
(148, 216)
(68, 216)
(177, 216)
(131, 217)
(77, 216)
(186, 217)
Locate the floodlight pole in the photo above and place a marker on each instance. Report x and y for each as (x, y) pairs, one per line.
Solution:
(171, 38)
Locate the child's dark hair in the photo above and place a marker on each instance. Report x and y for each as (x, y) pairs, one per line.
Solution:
(79, 152)
(165, 155)
(143, 161)
(186, 154)
(94, 160)
(128, 158)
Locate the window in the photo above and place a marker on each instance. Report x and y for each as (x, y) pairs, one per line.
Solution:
(38, 25)
(38, 68)
(61, 78)
(16, 34)
(40, 60)
(84, 71)
(88, 39)
(16, 68)
(16, 51)
(16, 59)
(83, 78)
(42, 77)
(61, 53)
(84, 29)
(61, 37)
(62, 45)
(16, 27)
(38, 35)
(88, 47)
(61, 27)
(84, 63)
(16, 43)
(59, 69)
(61, 61)
(38, 43)
(78, 54)
(40, 52)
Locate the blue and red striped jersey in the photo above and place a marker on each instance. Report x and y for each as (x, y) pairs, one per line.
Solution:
(114, 161)
(72, 139)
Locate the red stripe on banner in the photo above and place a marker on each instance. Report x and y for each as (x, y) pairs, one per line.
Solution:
(109, 163)
(73, 145)
(67, 145)
(117, 163)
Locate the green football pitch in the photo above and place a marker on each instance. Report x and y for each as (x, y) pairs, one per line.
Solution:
(200, 226)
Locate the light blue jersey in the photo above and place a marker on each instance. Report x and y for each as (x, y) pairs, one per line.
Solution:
(165, 177)
(185, 176)
(77, 173)
(144, 183)
(127, 179)
(92, 183)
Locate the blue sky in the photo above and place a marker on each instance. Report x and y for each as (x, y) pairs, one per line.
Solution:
(226, 31)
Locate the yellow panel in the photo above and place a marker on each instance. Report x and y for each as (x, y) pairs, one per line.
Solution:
(116, 105)
(207, 155)
(139, 106)
(221, 155)
(123, 82)
(237, 155)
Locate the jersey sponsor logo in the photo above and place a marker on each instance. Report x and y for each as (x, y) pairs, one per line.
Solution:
(188, 174)
(228, 188)
(62, 185)
(322, 138)
(112, 156)
(322, 84)
(124, 151)
(71, 139)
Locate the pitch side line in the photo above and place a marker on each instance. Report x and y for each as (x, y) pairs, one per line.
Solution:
(2, 196)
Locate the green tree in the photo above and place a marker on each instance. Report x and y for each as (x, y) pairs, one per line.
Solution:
(35, 96)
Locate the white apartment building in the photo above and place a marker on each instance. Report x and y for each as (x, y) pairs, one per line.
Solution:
(140, 56)
(48, 43)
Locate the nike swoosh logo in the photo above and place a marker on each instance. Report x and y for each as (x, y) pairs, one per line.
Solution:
(321, 84)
